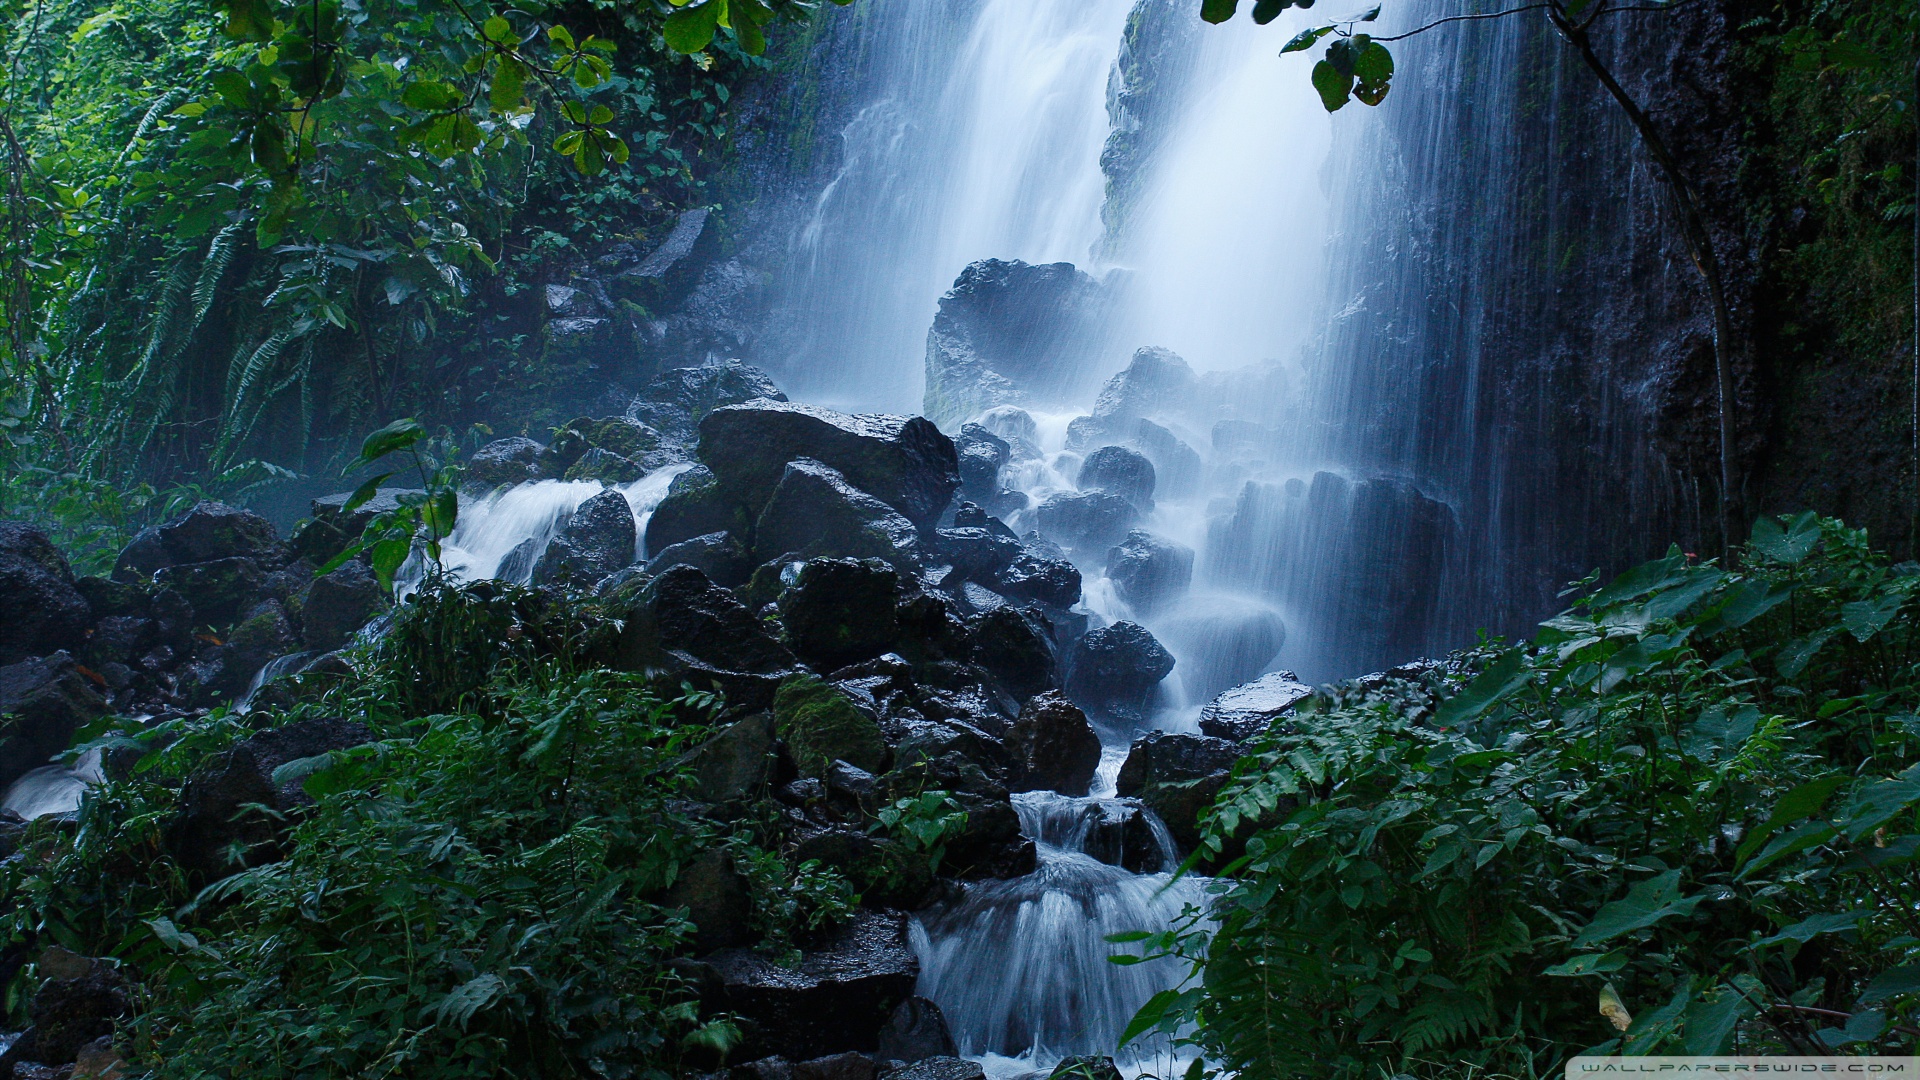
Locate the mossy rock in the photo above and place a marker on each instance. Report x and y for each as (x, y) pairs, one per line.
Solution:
(820, 725)
(617, 435)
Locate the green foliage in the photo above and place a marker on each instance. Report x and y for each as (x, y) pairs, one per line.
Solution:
(1681, 818)
(925, 824)
(820, 725)
(420, 521)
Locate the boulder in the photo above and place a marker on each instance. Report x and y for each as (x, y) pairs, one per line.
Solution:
(517, 565)
(144, 554)
(119, 639)
(735, 764)
(717, 901)
(1087, 1067)
(820, 726)
(977, 554)
(503, 461)
(681, 617)
(1226, 640)
(48, 699)
(1177, 465)
(836, 999)
(213, 825)
(944, 1067)
(1148, 571)
(1114, 670)
(982, 455)
(1177, 777)
(220, 590)
(1055, 746)
(1086, 521)
(848, 1066)
(338, 604)
(601, 464)
(904, 462)
(815, 511)
(717, 554)
(597, 541)
(1034, 575)
(1251, 708)
(1121, 832)
(1016, 646)
(214, 530)
(331, 528)
(73, 1011)
(917, 1030)
(1017, 427)
(98, 1060)
(1155, 382)
(41, 610)
(971, 516)
(694, 506)
(1120, 471)
(223, 673)
(840, 611)
(992, 845)
(679, 399)
(1011, 333)
(618, 438)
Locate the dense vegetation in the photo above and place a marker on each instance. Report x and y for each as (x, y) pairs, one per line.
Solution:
(1681, 819)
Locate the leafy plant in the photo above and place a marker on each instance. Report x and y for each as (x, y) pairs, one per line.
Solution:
(419, 520)
(925, 823)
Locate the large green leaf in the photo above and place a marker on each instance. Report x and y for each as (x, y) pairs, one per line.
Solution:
(1746, 602)
(398, 435)
(1894, 982)
(1305, 39)
(1335, 88)
(1865, 618)
(1501, 678)
(1795, 655)
(1807, 929)
(1790, 545)
(1645, 904)
(1718, 732)
(1218, 11)
(691, 29)
(1880, 802)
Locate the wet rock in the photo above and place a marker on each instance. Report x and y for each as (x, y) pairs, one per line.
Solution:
(904, 462)
(815, 511)
(835, 1000)
(1086, 521)
(982, 455)
(681, 617)
(1089, 1067)
(944, 1067)
(118, 639)
(971, 516)
(1035, 575)
(917, 1030)
(847, 1066)
(49, 699)
(220, 590)
(678, 400)
(851, 851)
(694, 506)
(211, 821)
(1120, 833)
(766, 1068)
(41, 610)
(1115, 669)
(992, 845)
(717, 901)
(1055, 746)
(1148, 571)
(73, 1011)
(503, 461)
(517, 565)
(1177, 465)
(339, 604)
(1229, 641)
(601, 464)
(1177, 776)
(144, 554)
(1120, 471)
(223, 673)
(840, 611)
(1155, 382)
(618, 438)
(820, 726)
(978, 554)
(98, 1060)
(718, 555)
(597, 541)
(930, 629)
(1017, 427)
(1010, 333)
(1251, 708)
(1016, 645)
(214, 530)
(735, 764)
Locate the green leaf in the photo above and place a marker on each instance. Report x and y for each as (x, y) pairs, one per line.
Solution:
(1809, 834)
(1880, 802)
(1709, 1024)
(1645, 904)
(498, 30)
(1305, 39)
(1894, 982)
(1746, 602)
(441, 510)
(430, 96)
(1591, 964)
(398, 435)
(509, 89)
(1807, 929)
(1335, 89)
(1265, 11)
(1218, 11)
(364, 493)
(463, 1001)
(691, 29)
(1791, 545)
(387, 557)
(1865, 618)
(1717, 733)
(1794, 656)
(1373, 64)
(1641, 580)
(1501, 678)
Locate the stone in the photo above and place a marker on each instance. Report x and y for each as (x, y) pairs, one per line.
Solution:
(992, 845)
(517, 565)
(978, 554)
(597, 540)
(982, 455)
(943, 1067)
(507, 461)
(682, 617)
(820, 726)
(214, 530)
(1017, 427)
(718, 555)
(48, 699)
(1229, 640)
(1251, 708)
(840, 611)
(1114, 670)
(850, 1065)
(1088, 1067)
(836, 999)
(1055, 746)
(211, 824)
(735, 764)
(1177, 776)
(1120, 832)
(814, 511)
(694, 506)
(1034, 575)
(98, 1060)
(144, 554)
(905, 462)
(1011, 333)
(41, 610)
(1086, 521)
(1177, 465)
(677, 400)
(766, 1068)
(971, 516)
(224, 672)
(851, 851)
(70, 1014)
(917, 1030)
(717, 900)
(1148, 571)
(929, 628)
(1120, 471)
(601, 464)
(220, 590)
(1016, 646)
(619, 438)
(1156, 381)
(338, 604)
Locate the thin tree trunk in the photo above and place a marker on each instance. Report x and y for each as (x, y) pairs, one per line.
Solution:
(1699, 248)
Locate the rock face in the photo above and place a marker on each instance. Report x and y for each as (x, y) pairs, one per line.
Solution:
(1148, 571)
(904, 462)
(717, 555)
(1123, 472)
(1120, 832)
(214, 530)
(821, 726)
(1016, 645)
(916, 1030)
(1249, 709)
(503, 461)
(40, 609)
(682, 618)
(815, 511)
(339, 604)
(678, 400)
(836, 1000)
(735, 764)
(1114, 671)
(1055, 746)
(1035, 576)
(1177, 777)
(693, 507)
(1011, 333)
(1156, 381)
(50, 700)
(1231, 641)
(212, 821)
(840, 611)
(597, 541)
(1086, 521)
